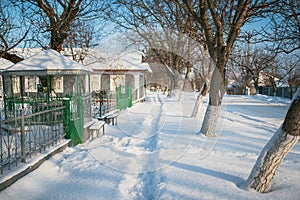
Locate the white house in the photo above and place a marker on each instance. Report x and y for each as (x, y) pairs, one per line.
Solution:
(110, 71)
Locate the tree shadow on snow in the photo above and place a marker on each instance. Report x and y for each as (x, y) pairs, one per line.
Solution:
(227, 177)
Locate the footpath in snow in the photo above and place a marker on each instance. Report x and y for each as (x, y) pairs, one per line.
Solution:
(155, 152)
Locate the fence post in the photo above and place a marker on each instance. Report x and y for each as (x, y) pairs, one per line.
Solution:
(67, 120)
(129, 90)
(23, 147)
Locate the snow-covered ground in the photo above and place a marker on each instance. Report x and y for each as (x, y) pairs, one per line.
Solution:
(155, 152)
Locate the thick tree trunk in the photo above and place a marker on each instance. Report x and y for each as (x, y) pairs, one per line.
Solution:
(11, 57)
(276, 149)
(216, 93)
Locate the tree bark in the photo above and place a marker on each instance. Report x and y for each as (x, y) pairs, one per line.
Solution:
(276, 149)
(199, 100)
(187, 85)
(11, 57)
(216, 94)
(207, 70)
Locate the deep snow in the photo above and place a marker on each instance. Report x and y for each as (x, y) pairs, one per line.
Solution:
(155, 152)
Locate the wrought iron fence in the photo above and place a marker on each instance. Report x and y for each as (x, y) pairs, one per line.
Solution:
(30, 133)
(104, 103)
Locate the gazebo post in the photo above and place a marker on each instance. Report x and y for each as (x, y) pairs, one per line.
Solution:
(21, 90)
(89, 91)
(12, 101)
(48, 88)
(4, 97)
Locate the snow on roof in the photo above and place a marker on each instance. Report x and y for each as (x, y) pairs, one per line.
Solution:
(46, 62)
(130, 60)
(5, 63)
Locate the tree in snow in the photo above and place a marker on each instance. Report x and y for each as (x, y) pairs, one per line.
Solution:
(260, 63)
(221, 23)
(290, 70)
(284, 27)
(82, 37)
(163, 26)
(207, 67)
(54, 19)
(13, 31)
(167, 58)
(277, 148)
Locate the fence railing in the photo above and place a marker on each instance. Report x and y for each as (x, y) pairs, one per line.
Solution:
(28, 134)
(105, 104)
(286, 92)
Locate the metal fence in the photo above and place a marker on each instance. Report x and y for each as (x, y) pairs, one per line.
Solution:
(104, 103)
(287, 92)
(30, 133)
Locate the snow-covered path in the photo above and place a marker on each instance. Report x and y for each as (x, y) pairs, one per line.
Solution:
(155, 153)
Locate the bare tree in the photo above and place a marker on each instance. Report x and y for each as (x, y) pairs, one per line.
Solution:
(54, 19)
(277, 148)
(286, 36)
(221, 23)
(284, 27)
(82, 37)
(169, 59)
(289, 70)
(13, 31)
(161, 25)
(259, 63)
(207, 67)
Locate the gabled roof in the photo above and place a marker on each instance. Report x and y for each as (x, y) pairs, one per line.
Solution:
(47, 62)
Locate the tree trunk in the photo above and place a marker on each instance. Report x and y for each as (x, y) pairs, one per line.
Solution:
(216, 93)
(256, 87)
(276, 149)
(207, 70)
(187, 85)
(10, 56)
(198, 102)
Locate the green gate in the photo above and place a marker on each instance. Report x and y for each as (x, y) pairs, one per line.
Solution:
(74, 117)
(124, 96)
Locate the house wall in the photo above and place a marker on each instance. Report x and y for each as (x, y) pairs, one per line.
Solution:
(95, 82)
(133, 79)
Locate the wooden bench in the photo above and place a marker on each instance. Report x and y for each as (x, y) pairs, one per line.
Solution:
(96, 126)
(110, 117)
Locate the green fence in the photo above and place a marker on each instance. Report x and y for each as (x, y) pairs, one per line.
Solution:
(73, 115)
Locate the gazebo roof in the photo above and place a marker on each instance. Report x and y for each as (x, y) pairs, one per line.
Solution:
(46, 62)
